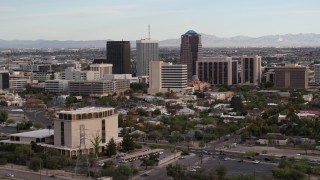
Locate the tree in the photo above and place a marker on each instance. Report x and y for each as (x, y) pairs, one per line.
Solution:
(111, 148)
(95, 141)
(10, 121)
(38, 125)
(70, 100)
(35, 164)
(3, 116)
(156, 112)
(3, 103)
(151, 161)
(177, 171)
(237, 105)
(122, 172)
(221, 172)
(127, 143)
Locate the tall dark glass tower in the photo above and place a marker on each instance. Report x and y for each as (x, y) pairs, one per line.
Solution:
(119, 54)
(190, 51)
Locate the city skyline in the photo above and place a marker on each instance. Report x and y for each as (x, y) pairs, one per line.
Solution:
(117, 20)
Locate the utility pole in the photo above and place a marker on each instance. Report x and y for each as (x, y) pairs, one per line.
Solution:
(40, 168)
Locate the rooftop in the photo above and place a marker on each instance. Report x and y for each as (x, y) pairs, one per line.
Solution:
(87, 110)
(42, 133)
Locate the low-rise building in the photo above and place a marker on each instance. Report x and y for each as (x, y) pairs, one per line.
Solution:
(98, 88)
(56, 86)
(273, 138)
(44, 136)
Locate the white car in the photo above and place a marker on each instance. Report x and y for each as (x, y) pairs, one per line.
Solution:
(193, 170)
(196, 167)
(181, 157)
(10, 175)
(256, 162)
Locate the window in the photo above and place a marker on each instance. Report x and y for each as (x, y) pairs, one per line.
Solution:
(103, 131)
(62, 133)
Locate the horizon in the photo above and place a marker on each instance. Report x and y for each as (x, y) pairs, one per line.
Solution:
(159, 39)
(93, 20)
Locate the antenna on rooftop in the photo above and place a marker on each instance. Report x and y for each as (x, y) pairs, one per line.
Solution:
(149, 31)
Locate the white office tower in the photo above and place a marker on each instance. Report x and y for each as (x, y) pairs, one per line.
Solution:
(147, 50)
(166, 77)
(100, 70)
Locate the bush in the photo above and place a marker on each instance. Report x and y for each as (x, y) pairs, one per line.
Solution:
(35, 164)
(185, 152)
(3, 161)
(137, 146)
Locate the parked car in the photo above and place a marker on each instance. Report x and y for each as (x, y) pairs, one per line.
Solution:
(256, 162)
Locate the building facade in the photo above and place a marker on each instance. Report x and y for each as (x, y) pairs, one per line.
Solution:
(291, 76)
(18, 85)
(215, 70)
(165, 77)
(119, 55)
(251, 70)
(4, 80)
(147, 50)
(74, 130)
(98, 88)
(100, 70)
(56, 86)
(316, 73)
(190, 51)
(76, 74)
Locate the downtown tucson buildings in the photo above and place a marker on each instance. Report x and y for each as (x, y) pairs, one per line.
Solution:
(147, 50)
(190, 51)
(166, 77)
(250, 70)
(119, 54)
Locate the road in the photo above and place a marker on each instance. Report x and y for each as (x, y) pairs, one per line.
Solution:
(38, 116)
(27, 175)
(236, 168)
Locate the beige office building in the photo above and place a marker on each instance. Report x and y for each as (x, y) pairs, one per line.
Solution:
(250, 70)
(215, 70)
(291, 76)
(100, 70)
(165, 77)
(98, 88)
(74, 130)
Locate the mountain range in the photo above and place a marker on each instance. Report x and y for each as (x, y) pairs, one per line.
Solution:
(286, 40)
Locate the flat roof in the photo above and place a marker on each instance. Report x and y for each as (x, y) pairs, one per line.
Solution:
(87, 110)
(42, 133)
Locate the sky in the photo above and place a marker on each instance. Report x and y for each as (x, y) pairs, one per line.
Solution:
(129, 19)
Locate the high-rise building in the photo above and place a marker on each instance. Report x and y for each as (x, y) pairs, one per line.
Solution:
(119, 54)
(215, 70)
(190, 51)
(251, 70)
(147, 50)
(75, 129)
(291, 76)
(4, 80)
(235, 76)
(316, 73)
(166, 77)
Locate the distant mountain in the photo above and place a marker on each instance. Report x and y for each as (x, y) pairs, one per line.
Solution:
(288, 40)
(51, 44)
(297, 40)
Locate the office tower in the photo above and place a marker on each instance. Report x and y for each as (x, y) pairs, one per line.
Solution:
(235, 79)
(119, 54)
(215, 70)
(75, 129)
(166, 77)
(100, 70)
(147, 50)
(317, 73)
(190, 51)
(4, 80)
(291, 76)
(251, 70)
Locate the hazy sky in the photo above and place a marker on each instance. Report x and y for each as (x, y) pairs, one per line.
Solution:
(129, 19)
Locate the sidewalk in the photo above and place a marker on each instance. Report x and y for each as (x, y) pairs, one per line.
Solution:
(45, 172)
